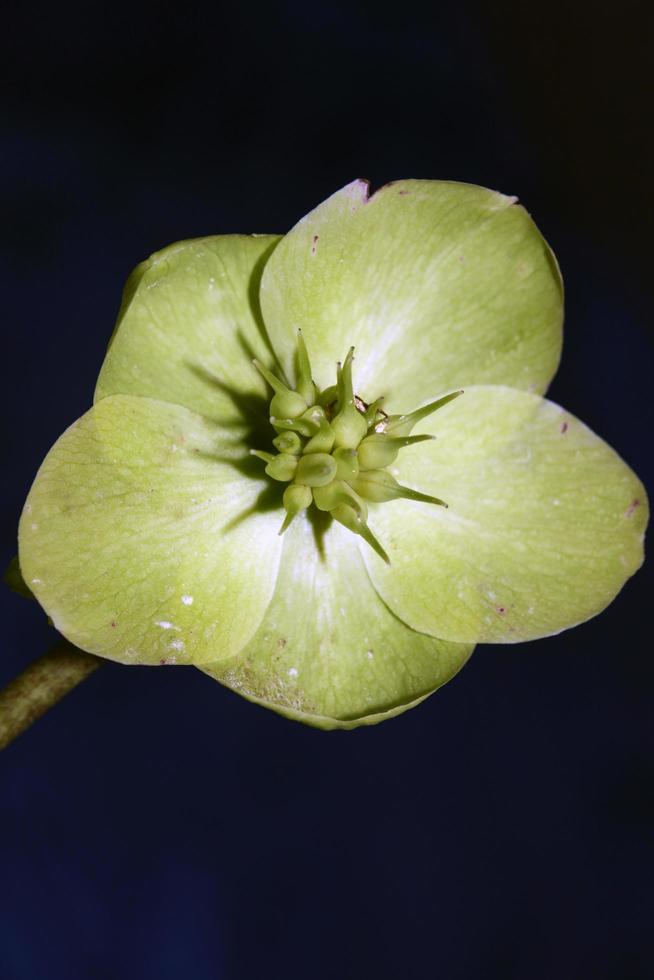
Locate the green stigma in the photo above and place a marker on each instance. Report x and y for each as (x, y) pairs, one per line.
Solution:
(333, 448)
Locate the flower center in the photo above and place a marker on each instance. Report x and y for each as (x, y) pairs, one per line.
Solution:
(333, 449)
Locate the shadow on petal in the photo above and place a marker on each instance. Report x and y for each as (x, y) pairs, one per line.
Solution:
(254, 288)
(269, 499)
(251, 408)
(320, 522)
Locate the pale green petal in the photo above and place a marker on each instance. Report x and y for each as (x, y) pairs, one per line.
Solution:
(138, 538)
(189, 327)
(545, 522)
(438, 285)
(328, 652)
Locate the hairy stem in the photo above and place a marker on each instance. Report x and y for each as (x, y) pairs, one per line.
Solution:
(40, 686)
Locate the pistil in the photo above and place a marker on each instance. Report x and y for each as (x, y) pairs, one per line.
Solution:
(333, 448)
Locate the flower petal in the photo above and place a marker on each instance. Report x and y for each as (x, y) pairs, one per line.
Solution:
(545, 522)
(142, 539)
(189, 327)
(328, 652)
(437, 284)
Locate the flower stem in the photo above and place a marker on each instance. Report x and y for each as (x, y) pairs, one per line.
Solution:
(40, 686)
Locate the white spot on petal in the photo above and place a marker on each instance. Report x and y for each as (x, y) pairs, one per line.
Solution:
(177, 645)
(164, 624)
(292, 672)
(187, 600)
(369, 654)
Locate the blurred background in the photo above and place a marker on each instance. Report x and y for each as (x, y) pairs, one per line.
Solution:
(157, 826)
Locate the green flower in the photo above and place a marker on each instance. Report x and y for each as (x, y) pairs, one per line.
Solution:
(151, 534)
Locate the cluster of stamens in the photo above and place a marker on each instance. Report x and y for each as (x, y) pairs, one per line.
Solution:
(333, 448)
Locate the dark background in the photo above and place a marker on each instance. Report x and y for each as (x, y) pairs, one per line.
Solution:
(157, 826)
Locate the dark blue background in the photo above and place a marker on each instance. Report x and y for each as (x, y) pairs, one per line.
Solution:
(156, 826)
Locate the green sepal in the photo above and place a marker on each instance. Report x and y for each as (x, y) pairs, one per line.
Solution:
(378, 450)
(328, 652)
(142, 537)
(545, 523)
(446, 284)
(188, 314)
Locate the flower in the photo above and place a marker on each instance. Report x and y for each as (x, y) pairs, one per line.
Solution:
(151, 533)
